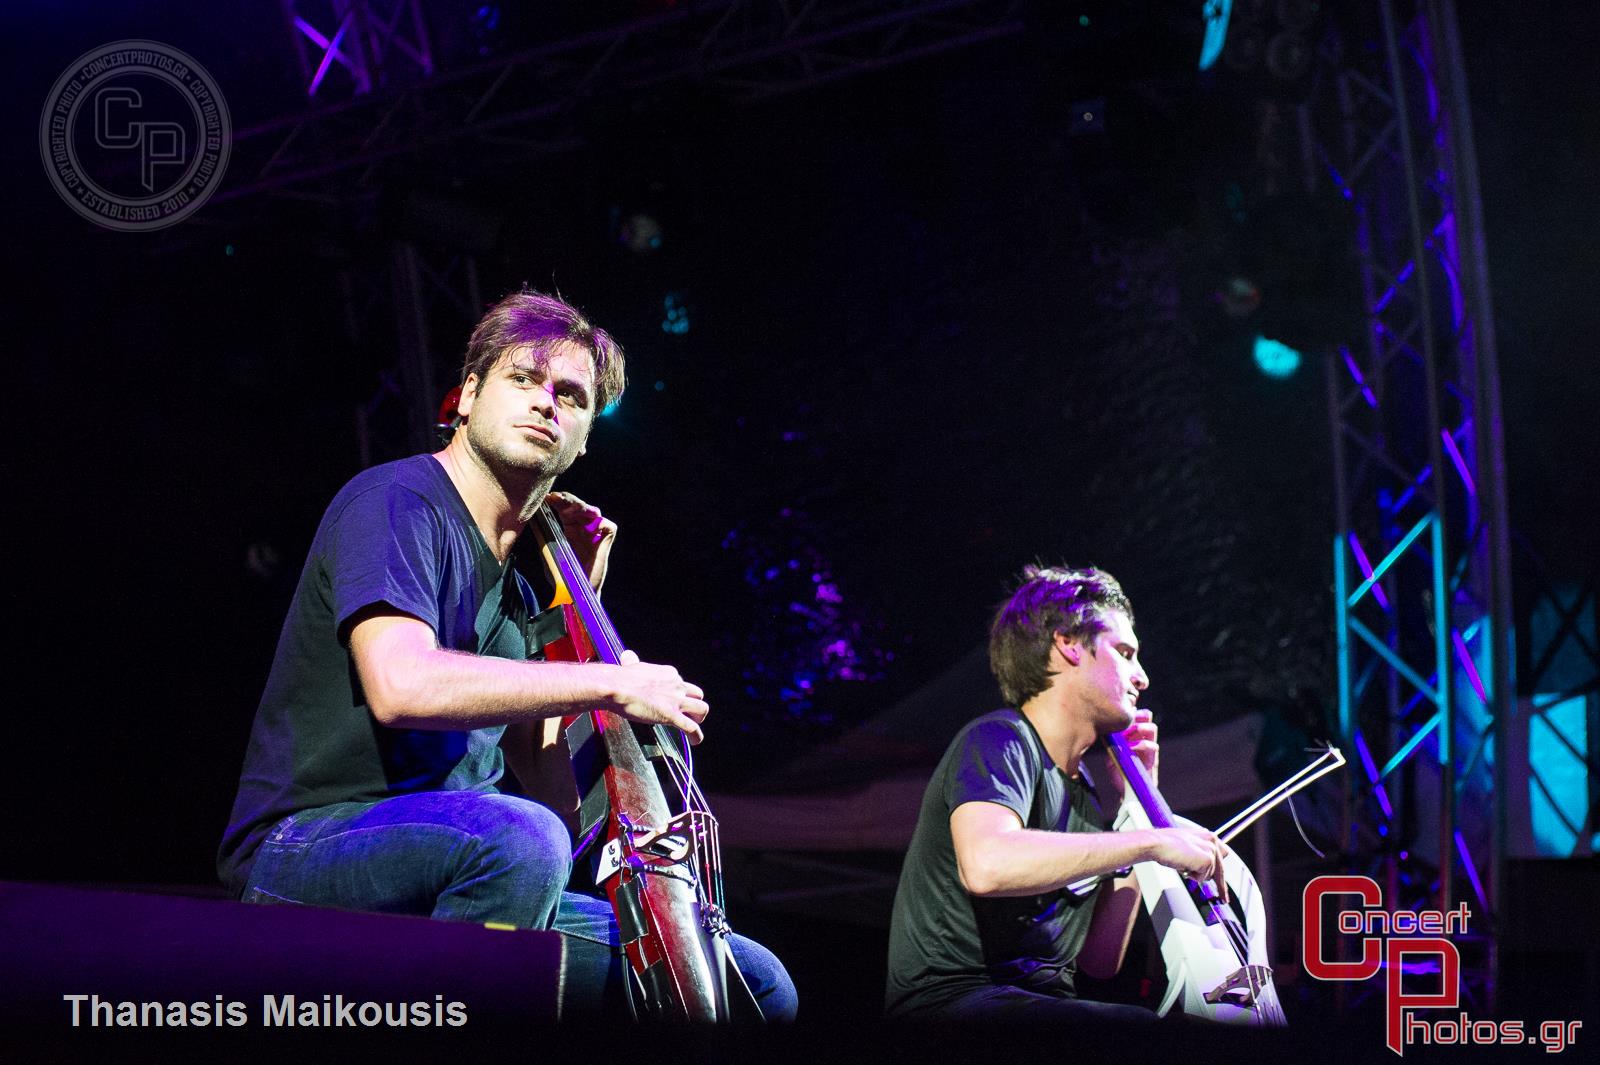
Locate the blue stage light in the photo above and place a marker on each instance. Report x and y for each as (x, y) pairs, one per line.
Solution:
(1557, 775)
(676, 314)
(1216, 14)
(1274, 358)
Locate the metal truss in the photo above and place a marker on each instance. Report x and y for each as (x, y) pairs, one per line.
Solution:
(530, 103)
(378, 99)
(1421, 556)
(371, 44)
(1555, 810)
(435, 300)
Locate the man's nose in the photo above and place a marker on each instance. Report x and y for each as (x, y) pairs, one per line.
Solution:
(1140, 680)
(543, 400)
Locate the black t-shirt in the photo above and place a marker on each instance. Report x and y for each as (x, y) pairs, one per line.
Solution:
(397, 534)
(944, 942)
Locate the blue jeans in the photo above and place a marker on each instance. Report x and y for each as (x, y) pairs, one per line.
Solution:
(1002, 1002)
(462, 856)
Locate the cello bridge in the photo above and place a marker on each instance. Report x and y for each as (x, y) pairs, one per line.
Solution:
(676, 851)
(1242, 988)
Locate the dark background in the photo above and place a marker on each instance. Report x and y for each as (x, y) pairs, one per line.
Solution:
(934, 334)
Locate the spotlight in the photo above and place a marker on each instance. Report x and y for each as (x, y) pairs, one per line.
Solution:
(1216, 14)
(640, 233)
(485, 28)
(1275, 358)
(1239, 296)
(1088, 116)
(675, 314)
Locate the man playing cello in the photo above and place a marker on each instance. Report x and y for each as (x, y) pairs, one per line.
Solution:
(985, 925)
(402, 672)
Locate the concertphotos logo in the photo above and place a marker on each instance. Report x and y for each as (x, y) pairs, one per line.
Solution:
(135, 135)
(1387, 940)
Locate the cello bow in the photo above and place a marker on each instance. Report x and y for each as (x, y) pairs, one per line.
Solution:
(661, 863)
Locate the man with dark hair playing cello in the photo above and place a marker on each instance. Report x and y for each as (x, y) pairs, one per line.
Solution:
(402, 675)
(987, 922)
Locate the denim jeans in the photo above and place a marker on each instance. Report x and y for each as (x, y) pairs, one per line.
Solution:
(1002, 1002)
(463, 856)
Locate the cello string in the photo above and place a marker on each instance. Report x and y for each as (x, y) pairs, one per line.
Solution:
(599, 625)
(679, 770)
(670, 742)
(1156, 813)
(1237, 936)
(676, 750)
(1139, 783)
(713, 861)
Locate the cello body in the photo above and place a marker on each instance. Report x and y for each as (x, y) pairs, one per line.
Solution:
(659, 861)
(1215, 969)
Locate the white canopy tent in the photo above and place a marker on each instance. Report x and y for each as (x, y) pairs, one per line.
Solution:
(829, 831)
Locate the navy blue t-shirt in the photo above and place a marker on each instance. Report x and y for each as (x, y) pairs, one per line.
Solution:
(398, 534)
(944, 942)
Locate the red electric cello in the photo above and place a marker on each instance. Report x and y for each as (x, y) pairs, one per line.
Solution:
(660, 861)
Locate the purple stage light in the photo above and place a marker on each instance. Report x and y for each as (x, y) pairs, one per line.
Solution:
(1448, 256)
(1338, 179)
(1355, 371)
(1404, 276)
(815, 635)
(1411, 490)
(1461, 463)
(1472, 870)
(330, 49)
(1366, 570)
(1469, 666)
(1372, 776)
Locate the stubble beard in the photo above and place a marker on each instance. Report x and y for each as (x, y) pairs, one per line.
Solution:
(1118, 717)
(515, 473)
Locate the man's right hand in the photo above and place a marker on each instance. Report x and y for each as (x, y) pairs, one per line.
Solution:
(1194, 852)
(657, 695)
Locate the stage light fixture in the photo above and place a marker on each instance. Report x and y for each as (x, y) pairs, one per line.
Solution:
(675, 314)
(1088, 116)
(1215, 13)
(640, 233)
(485, 27)
(1275, 358)
(1239, 296)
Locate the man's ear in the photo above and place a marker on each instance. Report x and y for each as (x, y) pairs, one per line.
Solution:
(1071, 650)
(469, 390)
